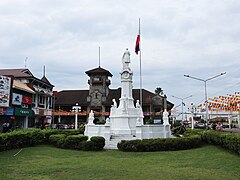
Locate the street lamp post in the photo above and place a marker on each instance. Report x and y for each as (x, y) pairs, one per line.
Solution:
(182, 102)
(205, 88)
(76, 109)
(59, 117)
(193, 112)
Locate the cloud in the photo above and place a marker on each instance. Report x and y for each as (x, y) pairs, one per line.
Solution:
(178, 37)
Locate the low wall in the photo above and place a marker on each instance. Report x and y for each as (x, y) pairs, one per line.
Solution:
(97, 130)
(153, 131)
(141, 132)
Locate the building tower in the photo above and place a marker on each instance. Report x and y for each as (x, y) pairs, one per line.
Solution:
(98, 89)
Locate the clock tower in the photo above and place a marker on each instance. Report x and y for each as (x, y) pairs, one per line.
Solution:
(98, 88)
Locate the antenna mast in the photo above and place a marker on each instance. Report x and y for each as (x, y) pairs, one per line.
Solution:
(44, 71)
(25, 62)
(99, 57)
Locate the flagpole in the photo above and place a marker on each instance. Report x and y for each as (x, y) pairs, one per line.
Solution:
(140, 58)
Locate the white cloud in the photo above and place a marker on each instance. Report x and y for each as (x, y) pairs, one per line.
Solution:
(178, 37)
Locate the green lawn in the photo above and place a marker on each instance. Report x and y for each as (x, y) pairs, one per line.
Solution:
(47, 162)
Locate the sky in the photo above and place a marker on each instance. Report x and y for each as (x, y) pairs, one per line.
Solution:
(196, 37)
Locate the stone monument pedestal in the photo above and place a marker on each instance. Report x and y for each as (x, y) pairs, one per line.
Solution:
(126, 120)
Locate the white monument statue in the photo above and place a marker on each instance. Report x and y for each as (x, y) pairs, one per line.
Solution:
(126, 120)
(126, 59)
(91, 118)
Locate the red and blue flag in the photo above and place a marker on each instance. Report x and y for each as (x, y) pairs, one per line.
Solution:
(137, 46)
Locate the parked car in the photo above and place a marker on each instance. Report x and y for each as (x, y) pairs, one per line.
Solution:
(63, 126)
(200, 126)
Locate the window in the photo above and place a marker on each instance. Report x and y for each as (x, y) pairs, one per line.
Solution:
(50, 102)
(41, 101)
(33, 100)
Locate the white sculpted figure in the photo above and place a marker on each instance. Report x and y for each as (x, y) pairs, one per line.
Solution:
(107, 121)
(165, 117)
(138, 104)
(126, 59)
(114, 103)
(91, 118)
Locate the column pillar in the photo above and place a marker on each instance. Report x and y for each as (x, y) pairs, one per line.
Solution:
(26, 122)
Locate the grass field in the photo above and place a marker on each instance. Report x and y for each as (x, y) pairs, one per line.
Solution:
(47, 162)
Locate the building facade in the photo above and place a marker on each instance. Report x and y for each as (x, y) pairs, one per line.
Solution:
(31, 100)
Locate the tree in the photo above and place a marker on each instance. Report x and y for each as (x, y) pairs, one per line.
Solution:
(159, 91)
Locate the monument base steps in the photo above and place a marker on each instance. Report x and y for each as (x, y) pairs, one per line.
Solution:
(115, 139)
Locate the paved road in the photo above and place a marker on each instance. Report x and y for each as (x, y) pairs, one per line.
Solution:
(234, 130)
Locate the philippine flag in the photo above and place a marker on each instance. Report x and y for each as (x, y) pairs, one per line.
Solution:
(137, 46)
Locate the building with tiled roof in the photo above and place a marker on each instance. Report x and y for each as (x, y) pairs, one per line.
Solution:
(35, 99)
(99, 99)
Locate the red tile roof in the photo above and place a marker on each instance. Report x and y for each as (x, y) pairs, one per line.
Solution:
(98, 70)
(19, 73)
(22, 73)
(71, 97)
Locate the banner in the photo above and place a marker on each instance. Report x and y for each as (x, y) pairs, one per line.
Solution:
(17, 99)
(5, 89)
(26, 100)
(23, 112)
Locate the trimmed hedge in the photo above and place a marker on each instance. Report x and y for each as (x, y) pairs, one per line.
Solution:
(98, 142)
(24, 138)
(75, 141)
(160, 144)
(226, 140)
(79, 142)
(56, 139)
(71, 131)
(21, 138)
(60, 138)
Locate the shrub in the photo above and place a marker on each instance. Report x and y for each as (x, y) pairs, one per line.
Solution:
(20, 138)
(98, 142)
(160, 144)
(68, 139)
(57, 139)
(226, 140)
(79, 142)
(86, 146)
(48, 132)
(73, 141)
(35, 137)
(3, 142)
(71, 131)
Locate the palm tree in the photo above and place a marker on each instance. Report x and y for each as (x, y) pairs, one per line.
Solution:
(159, 91)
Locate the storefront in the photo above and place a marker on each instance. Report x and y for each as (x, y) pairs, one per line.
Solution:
(23, 117)
(6, 118)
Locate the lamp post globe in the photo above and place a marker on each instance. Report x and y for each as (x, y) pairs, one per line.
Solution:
(76, 109)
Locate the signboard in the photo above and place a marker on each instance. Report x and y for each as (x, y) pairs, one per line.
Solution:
(5, 88)
(6, 111)
(23, 112)
(3, 111)
(10, 111)
(17, 99)
(27, 100)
